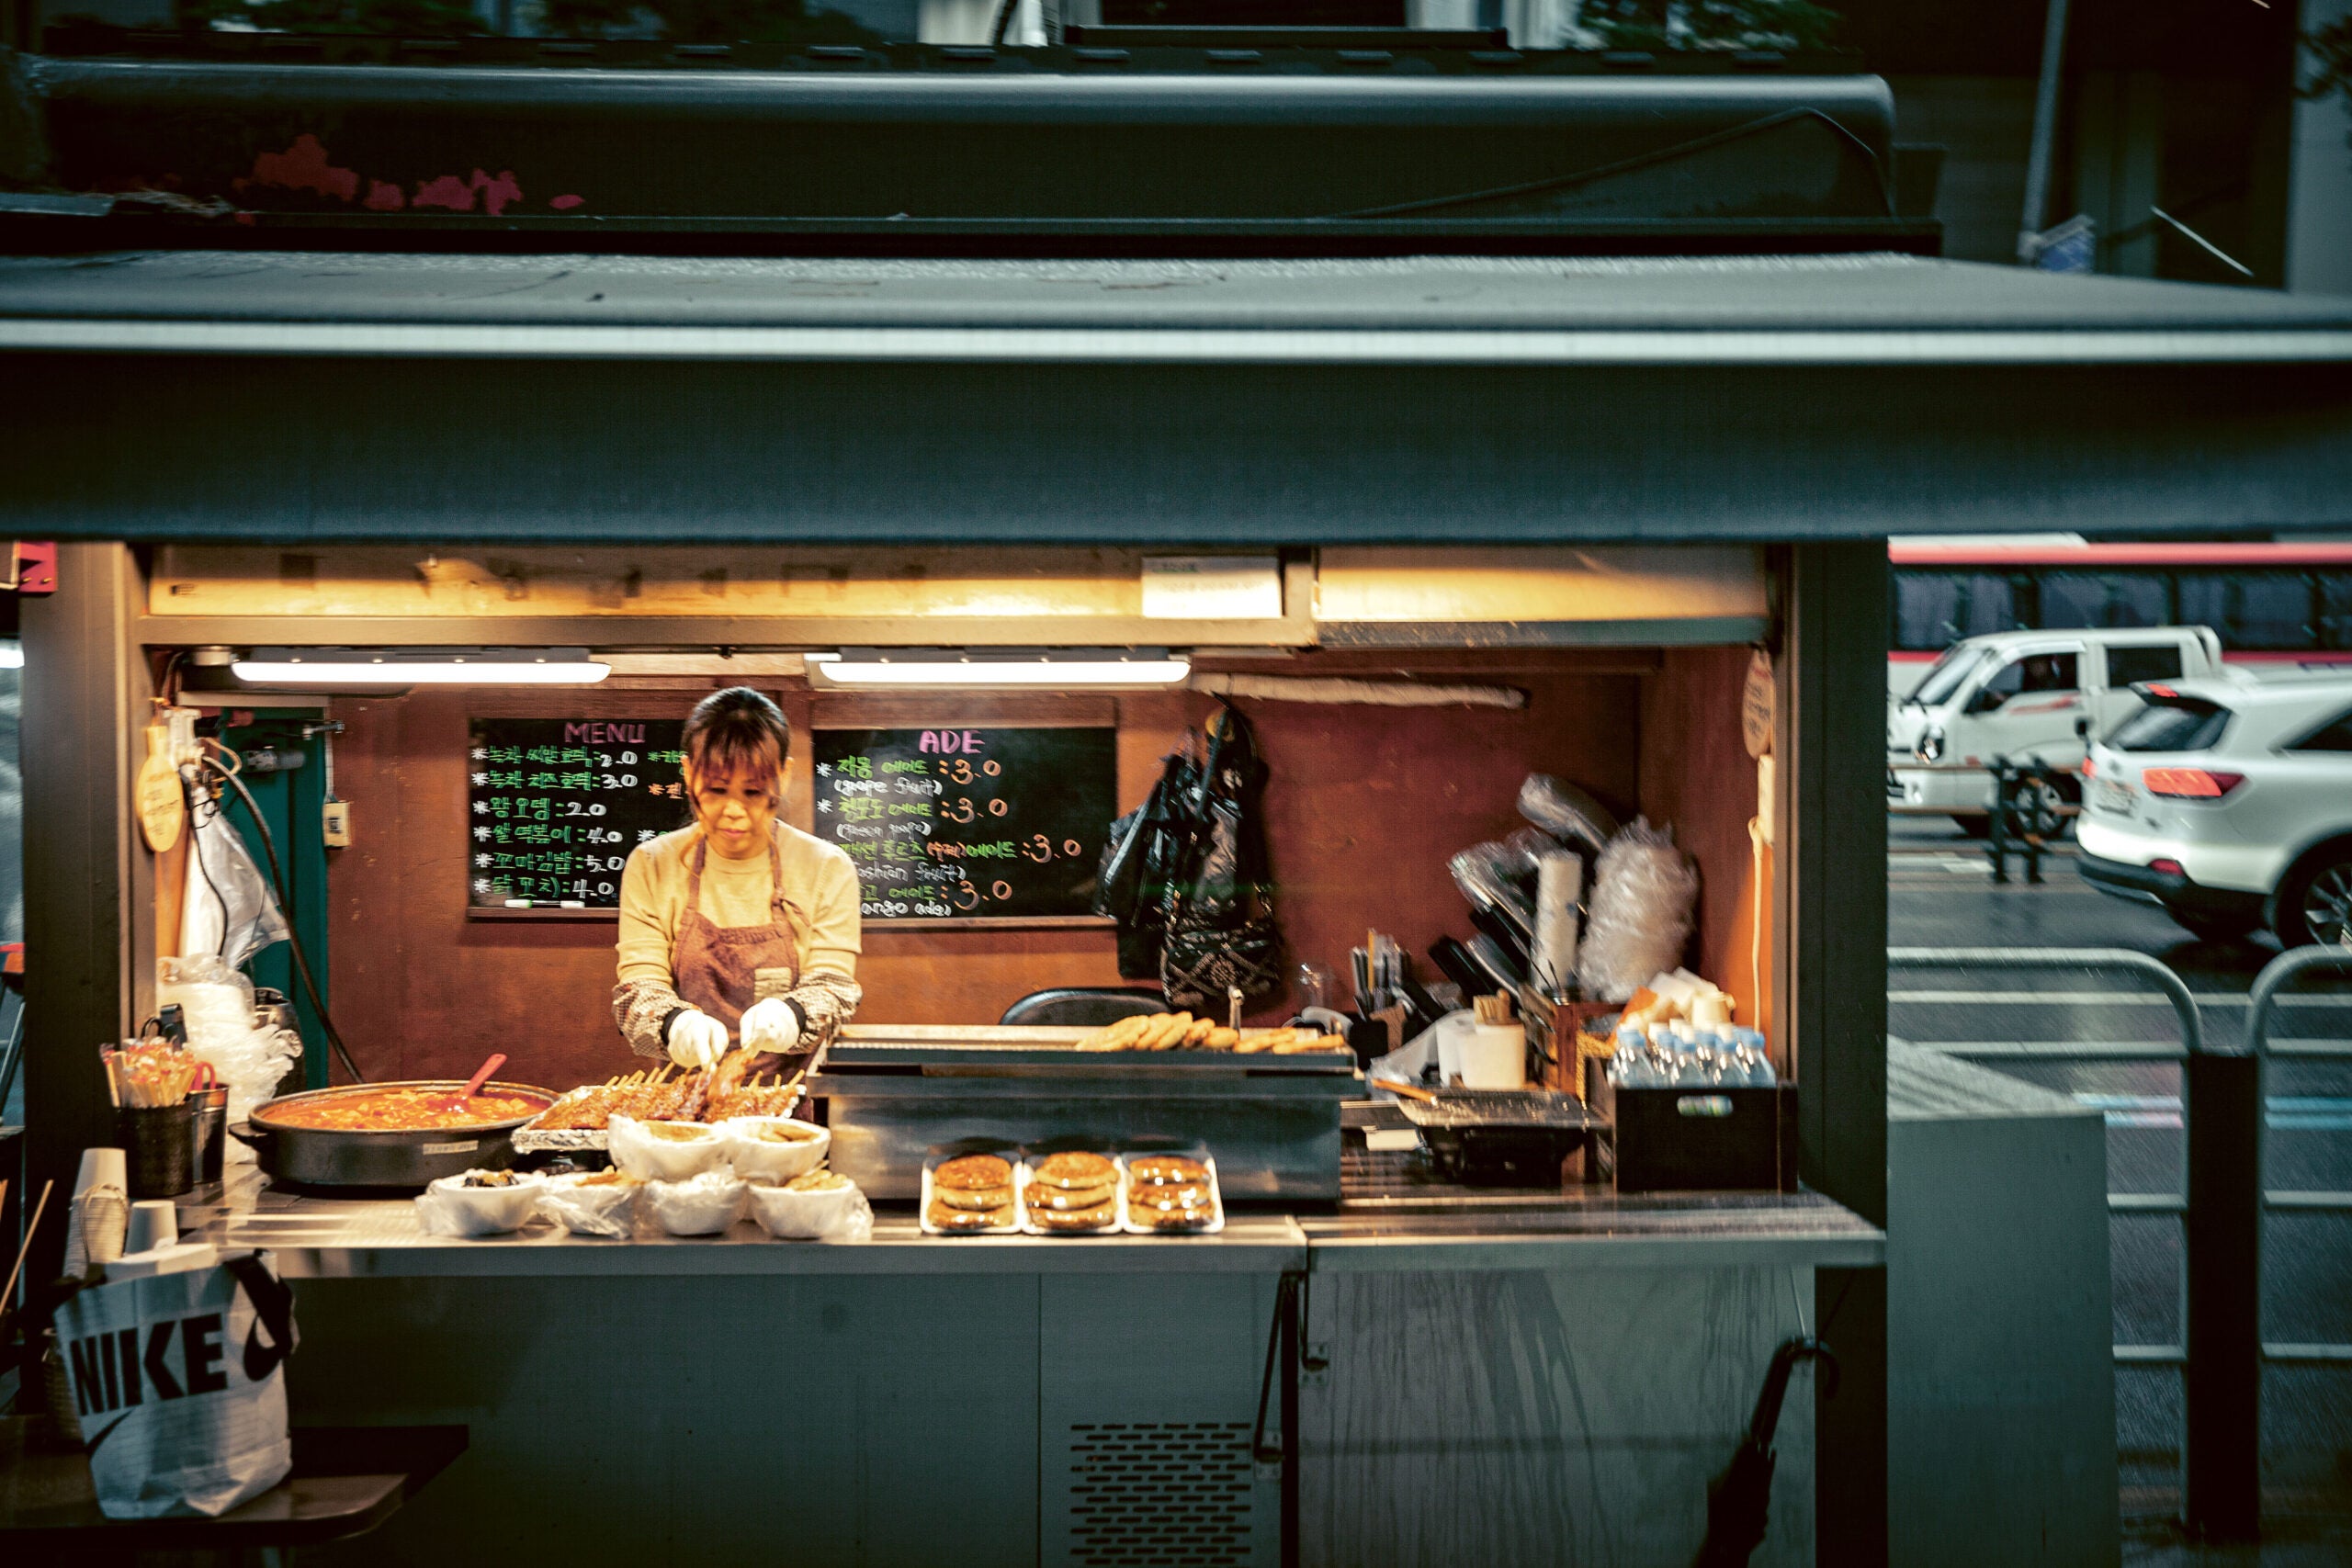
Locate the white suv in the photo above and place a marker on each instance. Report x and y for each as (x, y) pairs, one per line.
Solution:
(2228, 802)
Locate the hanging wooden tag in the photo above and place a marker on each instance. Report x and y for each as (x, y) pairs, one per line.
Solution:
(163, 811)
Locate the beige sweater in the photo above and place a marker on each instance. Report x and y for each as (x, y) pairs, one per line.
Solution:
(819, 888)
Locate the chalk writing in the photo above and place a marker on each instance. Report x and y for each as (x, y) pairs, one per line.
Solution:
(556, 805)
(968, 823)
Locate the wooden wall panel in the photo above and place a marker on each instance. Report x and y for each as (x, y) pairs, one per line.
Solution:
(1367, 805)
(1696, 774)
(1364, 805)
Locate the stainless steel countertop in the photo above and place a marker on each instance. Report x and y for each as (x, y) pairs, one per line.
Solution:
(322, 1238)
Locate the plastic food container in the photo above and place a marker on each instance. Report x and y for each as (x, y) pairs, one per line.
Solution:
(1045, 1205)
(811, 1213)
(700, 1205)
(774, 1148)
(669, 1151)
(940, 1216)
(449, 1207)
(1159, 1208)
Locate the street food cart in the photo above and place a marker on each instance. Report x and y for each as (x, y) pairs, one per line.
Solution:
(1605, 487)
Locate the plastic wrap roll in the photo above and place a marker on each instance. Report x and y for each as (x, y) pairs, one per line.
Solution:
(1559, 886)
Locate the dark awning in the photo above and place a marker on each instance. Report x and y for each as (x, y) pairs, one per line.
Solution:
(269, 395)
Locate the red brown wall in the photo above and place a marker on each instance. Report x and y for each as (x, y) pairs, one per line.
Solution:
(1696, 774)
(1364, 807)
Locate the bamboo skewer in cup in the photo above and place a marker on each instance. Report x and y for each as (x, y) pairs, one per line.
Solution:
(151, 1082)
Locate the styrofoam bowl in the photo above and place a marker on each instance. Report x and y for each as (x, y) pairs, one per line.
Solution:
(449, 1207)
(649, 1156)
(764, 1160)
(788, 1215)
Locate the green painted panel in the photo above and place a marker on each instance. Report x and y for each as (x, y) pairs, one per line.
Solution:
(292, 801)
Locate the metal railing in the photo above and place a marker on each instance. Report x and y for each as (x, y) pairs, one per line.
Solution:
(2223, 1205)
(2191, 1042)
(2208, 1430)
(2028, 807)
(2260, 1002)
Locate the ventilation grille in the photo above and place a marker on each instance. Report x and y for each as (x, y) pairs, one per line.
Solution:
(1162, 1494)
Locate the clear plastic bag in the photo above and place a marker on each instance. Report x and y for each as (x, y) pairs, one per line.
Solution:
(704, 1205)
(1644, 892)
(1565, 812)
(228, 909)
(592, 1204)
(216, 1000)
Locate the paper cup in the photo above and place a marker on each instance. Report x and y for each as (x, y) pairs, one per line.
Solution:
(1450, 1031)
(1493, 1055)
(154, 1222)
(102, 1167)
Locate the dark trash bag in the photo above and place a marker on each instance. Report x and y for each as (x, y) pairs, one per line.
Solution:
(1140, 865)
(1221, 931)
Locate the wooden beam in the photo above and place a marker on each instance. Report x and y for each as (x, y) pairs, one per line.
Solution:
(90, 881)
(1834, 826)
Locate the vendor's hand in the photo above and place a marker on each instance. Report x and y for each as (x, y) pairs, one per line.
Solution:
(769, 1025)
(697, 1039)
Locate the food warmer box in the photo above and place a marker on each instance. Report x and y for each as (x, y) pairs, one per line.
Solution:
(892, 1092)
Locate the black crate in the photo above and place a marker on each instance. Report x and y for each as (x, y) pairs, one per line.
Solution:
(1698, 1139)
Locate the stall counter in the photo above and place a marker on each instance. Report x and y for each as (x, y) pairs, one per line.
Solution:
(316, 1236)
(1016, 1402)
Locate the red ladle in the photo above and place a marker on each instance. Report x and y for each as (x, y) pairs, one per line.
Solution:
(482, 1075)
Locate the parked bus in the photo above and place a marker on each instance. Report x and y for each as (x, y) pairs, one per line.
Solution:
(2274, 607)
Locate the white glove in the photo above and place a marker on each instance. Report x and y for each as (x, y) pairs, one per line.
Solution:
(697, 1039)
(770, 1025)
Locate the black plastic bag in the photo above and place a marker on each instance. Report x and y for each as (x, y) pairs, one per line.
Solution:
(1221, 931)
(1139, 864)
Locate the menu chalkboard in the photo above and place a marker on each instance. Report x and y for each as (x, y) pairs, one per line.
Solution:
(554, 807)
(970, 824)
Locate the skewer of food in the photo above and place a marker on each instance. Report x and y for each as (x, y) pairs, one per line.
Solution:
(668, 1094)
(1181, 1031)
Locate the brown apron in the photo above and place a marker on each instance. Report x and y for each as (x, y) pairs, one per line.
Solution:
(724, 969)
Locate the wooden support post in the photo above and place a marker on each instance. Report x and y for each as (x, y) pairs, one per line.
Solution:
(1832, 737)
(90, 893)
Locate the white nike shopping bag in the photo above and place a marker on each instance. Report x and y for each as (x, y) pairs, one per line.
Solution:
(179, 1379)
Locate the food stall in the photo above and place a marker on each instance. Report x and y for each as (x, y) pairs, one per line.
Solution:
(1433, 527)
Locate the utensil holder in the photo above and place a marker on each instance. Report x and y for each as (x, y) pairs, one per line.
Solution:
(156, 1144)
(208, 1137)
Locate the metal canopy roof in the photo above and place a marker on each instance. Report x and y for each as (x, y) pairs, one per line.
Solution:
(280, 396)
(1881, 308)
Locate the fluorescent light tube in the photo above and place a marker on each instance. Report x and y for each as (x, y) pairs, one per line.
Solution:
(306, 668)
(1061, 668)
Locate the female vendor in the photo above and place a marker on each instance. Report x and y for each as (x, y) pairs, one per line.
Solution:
(738, 922)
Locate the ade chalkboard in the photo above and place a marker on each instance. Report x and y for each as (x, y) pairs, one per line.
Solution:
(554, 807)
(997, 823)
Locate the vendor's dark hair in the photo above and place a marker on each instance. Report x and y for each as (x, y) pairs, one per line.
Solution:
(738, 731)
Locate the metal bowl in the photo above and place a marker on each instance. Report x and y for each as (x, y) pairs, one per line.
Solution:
(333, 1157)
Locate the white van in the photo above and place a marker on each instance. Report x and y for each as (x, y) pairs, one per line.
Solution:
(2026, 697)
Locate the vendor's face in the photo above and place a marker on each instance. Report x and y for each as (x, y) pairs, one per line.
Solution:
(735, 810)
